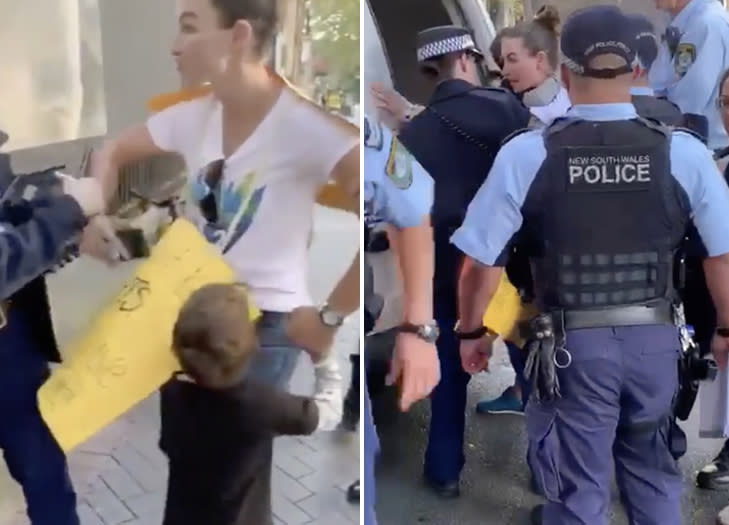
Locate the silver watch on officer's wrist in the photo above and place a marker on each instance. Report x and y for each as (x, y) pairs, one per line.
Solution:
(330, 318)
(428, 332)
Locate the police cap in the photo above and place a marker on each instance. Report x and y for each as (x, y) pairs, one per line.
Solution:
(595, 31)
(443, 40)
(646, 43)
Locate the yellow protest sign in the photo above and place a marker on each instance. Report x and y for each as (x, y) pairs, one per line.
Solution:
(126, 355)
(506, 310)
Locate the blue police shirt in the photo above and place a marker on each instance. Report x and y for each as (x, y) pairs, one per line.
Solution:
(494, 215)
(693, 56)
(397, 190)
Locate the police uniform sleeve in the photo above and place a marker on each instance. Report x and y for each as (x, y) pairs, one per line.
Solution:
(30, 249)
(708, 194)
(404, 192)
(494, 215)
(698, 64)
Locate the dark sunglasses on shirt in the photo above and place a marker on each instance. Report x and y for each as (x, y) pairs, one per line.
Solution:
(209, 204)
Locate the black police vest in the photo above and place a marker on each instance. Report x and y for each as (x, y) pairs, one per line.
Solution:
(456, 139)
(604, 215)
(658, 109)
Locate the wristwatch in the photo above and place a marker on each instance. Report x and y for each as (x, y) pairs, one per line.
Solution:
(330, 318)
(428, 332)
(478, 333)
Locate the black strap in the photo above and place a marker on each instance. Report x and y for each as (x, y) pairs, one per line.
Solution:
(457, 129)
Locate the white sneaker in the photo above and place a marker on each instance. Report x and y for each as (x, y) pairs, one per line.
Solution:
(328, 393)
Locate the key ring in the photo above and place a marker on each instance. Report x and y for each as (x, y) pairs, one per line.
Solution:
(556, 361)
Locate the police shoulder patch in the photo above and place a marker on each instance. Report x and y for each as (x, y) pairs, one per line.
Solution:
(399, 167)
(683, 59)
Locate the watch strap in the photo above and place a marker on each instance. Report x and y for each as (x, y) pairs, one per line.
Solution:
(478, 333)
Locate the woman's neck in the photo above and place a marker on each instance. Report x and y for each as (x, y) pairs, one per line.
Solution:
(543, 94)
(248, 95)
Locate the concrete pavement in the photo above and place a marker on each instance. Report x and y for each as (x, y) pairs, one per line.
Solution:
(495, 480)
(120, 475)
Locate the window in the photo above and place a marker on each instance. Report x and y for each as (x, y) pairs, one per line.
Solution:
(52, 85)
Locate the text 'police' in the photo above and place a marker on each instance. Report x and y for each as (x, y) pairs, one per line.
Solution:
(609, 169)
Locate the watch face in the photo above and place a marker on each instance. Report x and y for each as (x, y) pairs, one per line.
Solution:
(330, 318)
(429, 332)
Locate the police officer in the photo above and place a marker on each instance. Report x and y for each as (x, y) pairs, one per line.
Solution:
(397, 191)
(646, 103)
(41, 218)
(644, 98)
(693, 55)
(601, 199)
(455, 138)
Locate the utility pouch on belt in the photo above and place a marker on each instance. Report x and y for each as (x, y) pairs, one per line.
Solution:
(546, 339)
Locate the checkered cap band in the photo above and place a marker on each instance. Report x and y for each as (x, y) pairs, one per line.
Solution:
(443, 47)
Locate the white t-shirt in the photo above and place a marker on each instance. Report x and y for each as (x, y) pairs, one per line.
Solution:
(268, 190)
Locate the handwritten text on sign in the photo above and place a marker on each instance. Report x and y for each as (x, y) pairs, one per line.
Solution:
(125, 355)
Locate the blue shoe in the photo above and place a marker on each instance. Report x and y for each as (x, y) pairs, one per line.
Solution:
(506, 403)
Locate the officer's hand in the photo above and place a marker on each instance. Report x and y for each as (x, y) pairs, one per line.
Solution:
(306, 330)
(416, 367)
(99, 240)
(720, 349)
(391, 106)
(475, 354)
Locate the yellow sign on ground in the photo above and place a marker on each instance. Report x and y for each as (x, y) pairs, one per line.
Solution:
(506, 310)
(126, 355)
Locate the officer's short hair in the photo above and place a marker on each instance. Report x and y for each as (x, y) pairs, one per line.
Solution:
(262, 15)
(213, 338)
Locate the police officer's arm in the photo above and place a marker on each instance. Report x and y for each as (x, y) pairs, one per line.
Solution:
(708, 195)
(694, 88)
(30, 249)
(409, 211)
(493, 218)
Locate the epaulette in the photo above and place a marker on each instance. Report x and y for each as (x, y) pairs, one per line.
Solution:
(655, 125)
(515, 134)
(687, 130)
